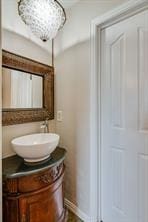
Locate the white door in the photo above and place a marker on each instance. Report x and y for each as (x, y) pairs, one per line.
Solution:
(124, 140)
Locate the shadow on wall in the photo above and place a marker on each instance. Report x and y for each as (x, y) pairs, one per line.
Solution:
(20, 45)
(73, 98)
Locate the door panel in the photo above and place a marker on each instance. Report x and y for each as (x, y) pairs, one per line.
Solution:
(124, 125)
(117, 64)
(143, 78)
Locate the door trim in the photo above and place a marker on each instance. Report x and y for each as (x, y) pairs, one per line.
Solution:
(120, 13)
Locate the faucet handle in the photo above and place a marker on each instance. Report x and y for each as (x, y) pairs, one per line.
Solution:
(42, 126)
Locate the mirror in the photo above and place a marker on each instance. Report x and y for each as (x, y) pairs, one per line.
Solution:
(28, 90)
(21, 90)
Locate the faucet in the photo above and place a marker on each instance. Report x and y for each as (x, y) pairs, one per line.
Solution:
(44, 126)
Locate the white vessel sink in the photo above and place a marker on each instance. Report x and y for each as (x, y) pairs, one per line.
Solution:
(35, 147)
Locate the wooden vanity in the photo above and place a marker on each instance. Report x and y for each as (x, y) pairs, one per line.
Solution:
(34, 193)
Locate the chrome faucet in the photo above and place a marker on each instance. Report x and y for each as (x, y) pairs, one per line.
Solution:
(44, 126)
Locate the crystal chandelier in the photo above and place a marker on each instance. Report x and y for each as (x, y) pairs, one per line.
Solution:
(44, 17)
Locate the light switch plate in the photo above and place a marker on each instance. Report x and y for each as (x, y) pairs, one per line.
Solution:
(59, 116)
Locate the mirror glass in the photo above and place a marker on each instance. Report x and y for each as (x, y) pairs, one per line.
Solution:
(21, 90)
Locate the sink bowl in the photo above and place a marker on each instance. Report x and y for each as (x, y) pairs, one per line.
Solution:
(35, 147)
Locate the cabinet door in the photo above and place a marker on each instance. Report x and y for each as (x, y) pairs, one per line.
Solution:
(42, 206)
(10, 209)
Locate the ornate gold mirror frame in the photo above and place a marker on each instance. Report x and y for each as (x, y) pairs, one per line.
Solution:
(18, 116)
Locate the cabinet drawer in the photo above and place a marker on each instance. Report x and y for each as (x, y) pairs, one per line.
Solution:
(39, 180)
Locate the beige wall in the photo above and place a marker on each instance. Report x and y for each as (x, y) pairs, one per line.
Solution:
(73, 96)
(22, 46)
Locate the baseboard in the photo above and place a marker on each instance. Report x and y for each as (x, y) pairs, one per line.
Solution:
(72, 207)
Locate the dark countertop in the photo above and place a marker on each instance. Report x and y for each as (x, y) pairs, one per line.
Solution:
(14, 166)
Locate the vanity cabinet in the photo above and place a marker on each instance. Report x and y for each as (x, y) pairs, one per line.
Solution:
(37, 197)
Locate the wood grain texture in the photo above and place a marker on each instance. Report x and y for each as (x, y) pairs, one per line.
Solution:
(18, 116)
(10, 210)
(39, 180)
(35, 200)
(11, 185)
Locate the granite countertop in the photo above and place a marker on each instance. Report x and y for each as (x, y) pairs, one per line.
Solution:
(15, 166)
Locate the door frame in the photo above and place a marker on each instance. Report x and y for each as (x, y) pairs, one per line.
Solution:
(120, 13)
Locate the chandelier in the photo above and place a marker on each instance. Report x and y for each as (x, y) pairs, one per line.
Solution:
(44, 17)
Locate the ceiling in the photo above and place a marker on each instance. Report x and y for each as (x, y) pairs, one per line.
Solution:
(68, 3)
(12, 22)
